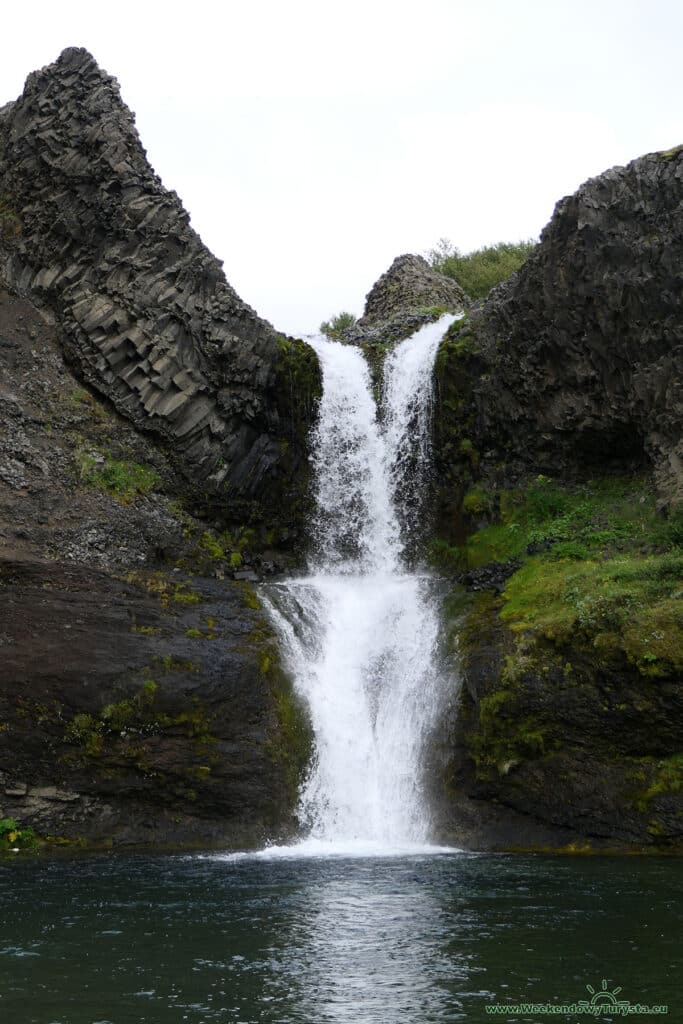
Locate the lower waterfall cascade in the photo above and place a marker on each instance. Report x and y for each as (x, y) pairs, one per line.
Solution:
(360, 632)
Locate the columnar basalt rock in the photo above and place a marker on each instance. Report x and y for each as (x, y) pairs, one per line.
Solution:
(141, 698)
(578, 357)
(148, 317)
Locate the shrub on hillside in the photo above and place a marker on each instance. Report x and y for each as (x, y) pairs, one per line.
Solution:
(337, 326)
(479, 271)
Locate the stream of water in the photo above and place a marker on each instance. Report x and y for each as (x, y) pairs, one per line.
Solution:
(360, 631)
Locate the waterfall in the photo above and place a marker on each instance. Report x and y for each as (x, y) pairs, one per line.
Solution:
(359, 632)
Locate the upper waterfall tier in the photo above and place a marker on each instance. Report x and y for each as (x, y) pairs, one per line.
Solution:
(370, 474)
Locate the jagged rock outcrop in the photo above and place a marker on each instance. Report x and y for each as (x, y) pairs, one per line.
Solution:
(409, 295)
(577, 359)
(146, 313)
(408, 284)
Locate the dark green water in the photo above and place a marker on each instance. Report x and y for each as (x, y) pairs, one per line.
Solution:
(144, 940)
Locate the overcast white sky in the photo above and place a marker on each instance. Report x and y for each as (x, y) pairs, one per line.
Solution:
(312, 142)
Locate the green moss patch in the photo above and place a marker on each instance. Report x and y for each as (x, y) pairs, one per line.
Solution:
(663, 777)
(167, 590)
(599, 564)
(598, 518)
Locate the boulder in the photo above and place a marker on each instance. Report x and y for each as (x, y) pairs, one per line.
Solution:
(408, 285)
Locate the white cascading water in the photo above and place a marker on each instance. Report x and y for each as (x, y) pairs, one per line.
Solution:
(360, 632)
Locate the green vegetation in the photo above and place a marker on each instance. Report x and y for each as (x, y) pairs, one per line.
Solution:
(665, 776)
(145, 630)
(136, 712)
(207, 547)
(167, 591)
(670, 154)
(600, 519)
(477, 502)
(123, 480)
(591, 617)
(337, 326)
(433, 312)
(629, 603)
(479, 271)
(600, 567)
(502, 741)
(194, 633)
(15, 837)
(136, 717)
(80, 400)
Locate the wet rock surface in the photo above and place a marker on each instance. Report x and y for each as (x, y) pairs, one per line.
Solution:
(559, 746)
(137, 710)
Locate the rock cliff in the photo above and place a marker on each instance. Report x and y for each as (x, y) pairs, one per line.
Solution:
(576, 360)
(141, 697)
(146, 314)
(559, 464)
(409, 286)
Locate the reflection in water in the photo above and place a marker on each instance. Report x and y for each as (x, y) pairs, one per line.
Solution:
(376, 953)
(414, 939)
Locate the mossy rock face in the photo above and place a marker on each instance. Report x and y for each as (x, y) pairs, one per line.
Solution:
(290, 739)
(152, 721)
(571, 712)
(457, 449)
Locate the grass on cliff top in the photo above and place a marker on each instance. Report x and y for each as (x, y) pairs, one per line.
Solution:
(599, 564)
(479, 271)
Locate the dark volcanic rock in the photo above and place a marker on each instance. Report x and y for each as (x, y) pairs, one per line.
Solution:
(141, 699)
(575, 362)
(558, 744)
(408, 284)
(126, 719)
(570, 369)
(147, 315)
